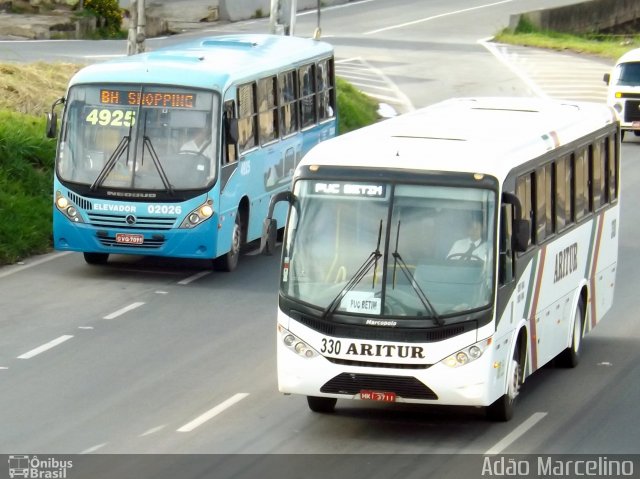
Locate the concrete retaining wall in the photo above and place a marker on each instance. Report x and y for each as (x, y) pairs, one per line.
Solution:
(585, 17)
(235, 10)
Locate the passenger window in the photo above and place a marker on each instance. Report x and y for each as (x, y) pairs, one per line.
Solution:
(288, 102)
(523, 192)
(268, 109)
(325, 90)
(580, 187)
(307, 95)
(247, 112)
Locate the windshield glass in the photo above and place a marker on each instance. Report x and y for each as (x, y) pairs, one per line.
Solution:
(628, 74)
(139, 138)
(390, 250)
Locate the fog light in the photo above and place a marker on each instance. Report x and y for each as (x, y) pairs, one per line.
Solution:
(62, 202)
(194, 218)
(462, 358)
(475, 352)
(289, 339)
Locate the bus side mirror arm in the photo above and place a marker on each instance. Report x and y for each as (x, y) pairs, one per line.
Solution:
(52, 119)
(521, 227)
(270, 225)
(606, 78)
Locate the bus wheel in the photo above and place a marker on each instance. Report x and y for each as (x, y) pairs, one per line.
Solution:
(570, 357)
(96, 258)
(229, 261)
(502, 408)
(321, 404)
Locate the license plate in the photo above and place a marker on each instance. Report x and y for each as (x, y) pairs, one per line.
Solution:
(377, 396)
(127, 238)
(635, 125)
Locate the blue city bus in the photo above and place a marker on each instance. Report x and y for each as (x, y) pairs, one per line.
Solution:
(177, 152)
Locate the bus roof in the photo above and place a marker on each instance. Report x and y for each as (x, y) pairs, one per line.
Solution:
(212, 62)
(478, 135)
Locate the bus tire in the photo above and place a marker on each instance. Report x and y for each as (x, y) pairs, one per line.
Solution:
(570, 357)
(229, 261)
(502, 408)
(321, 404)
(96, 258)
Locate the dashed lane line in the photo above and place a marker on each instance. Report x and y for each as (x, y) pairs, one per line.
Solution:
(516, 433)
(211, 413)
(45, 347)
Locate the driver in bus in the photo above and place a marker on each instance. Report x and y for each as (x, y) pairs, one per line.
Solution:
(199, 143)
(471, 247)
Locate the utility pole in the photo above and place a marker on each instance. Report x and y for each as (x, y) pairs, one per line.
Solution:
(283, 17)
(137, 26)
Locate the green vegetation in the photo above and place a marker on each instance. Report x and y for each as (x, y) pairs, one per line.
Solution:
(608, 46)
(108, 17)
(26, 155)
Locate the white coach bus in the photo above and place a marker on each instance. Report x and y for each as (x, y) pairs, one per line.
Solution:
(444, 256)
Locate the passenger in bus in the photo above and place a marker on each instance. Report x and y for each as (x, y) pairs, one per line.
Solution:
(472, 247)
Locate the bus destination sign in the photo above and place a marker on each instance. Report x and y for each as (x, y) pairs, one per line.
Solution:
(153, 99)
(350, 189)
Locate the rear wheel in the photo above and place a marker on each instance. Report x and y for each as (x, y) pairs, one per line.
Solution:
(321, 404)
(502, 408)
(96, 258)
(229, 261)
(570, 357)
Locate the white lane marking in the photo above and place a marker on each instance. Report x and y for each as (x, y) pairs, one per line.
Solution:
(190, 426)
(94, 448)
(12, 270)
(525, 79)
(3, 367)
(45, 347)
(120, 312)
(434, 17)
(85, 327)
(193, 278)
(153, 430)
(516, 433)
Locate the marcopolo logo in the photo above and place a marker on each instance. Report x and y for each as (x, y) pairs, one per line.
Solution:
(36, 468)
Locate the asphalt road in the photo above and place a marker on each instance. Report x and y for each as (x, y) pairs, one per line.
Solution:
(163, 356)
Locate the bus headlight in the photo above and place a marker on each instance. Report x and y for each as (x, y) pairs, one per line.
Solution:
(197, 216)
(296, 344)
(467, 355)
(67, 208)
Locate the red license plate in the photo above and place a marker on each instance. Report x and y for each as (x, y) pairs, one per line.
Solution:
(126, 238)
(377, 396)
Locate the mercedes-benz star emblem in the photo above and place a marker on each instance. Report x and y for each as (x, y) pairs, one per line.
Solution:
(130, 219)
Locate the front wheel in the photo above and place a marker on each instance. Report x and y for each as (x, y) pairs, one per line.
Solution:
(321, 404)
(229, 261)
(96, 258)
(502, 408)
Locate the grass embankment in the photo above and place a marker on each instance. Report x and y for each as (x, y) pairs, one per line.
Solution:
(606, 46)
(26, 155)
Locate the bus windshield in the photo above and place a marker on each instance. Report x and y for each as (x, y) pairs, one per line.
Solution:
(628, 74)
(397, 250)
(139, 137)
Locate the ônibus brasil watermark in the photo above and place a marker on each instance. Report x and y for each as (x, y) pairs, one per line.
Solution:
(32, 467)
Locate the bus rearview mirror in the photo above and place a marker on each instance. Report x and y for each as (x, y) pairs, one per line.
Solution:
(606, 78)
(52, 123)
(232, 130)
(269, 236)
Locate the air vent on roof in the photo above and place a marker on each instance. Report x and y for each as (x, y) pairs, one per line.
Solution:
(229, 43)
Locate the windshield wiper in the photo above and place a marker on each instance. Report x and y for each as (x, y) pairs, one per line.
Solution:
(397, 260)
(111, 163)
(157, 164)
(371, 260)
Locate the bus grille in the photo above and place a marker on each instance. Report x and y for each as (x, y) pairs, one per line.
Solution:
(404, 386)
(79, 201)
(632, 110)
(371, 364)
(103, 220)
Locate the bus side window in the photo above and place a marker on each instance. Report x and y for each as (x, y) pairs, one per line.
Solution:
(505, 267)
(325, 90)
(524, 194)
(230, 152)
(288, 102)
(247, 117)
(612, 170)
(307, 79)
(267, 109)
